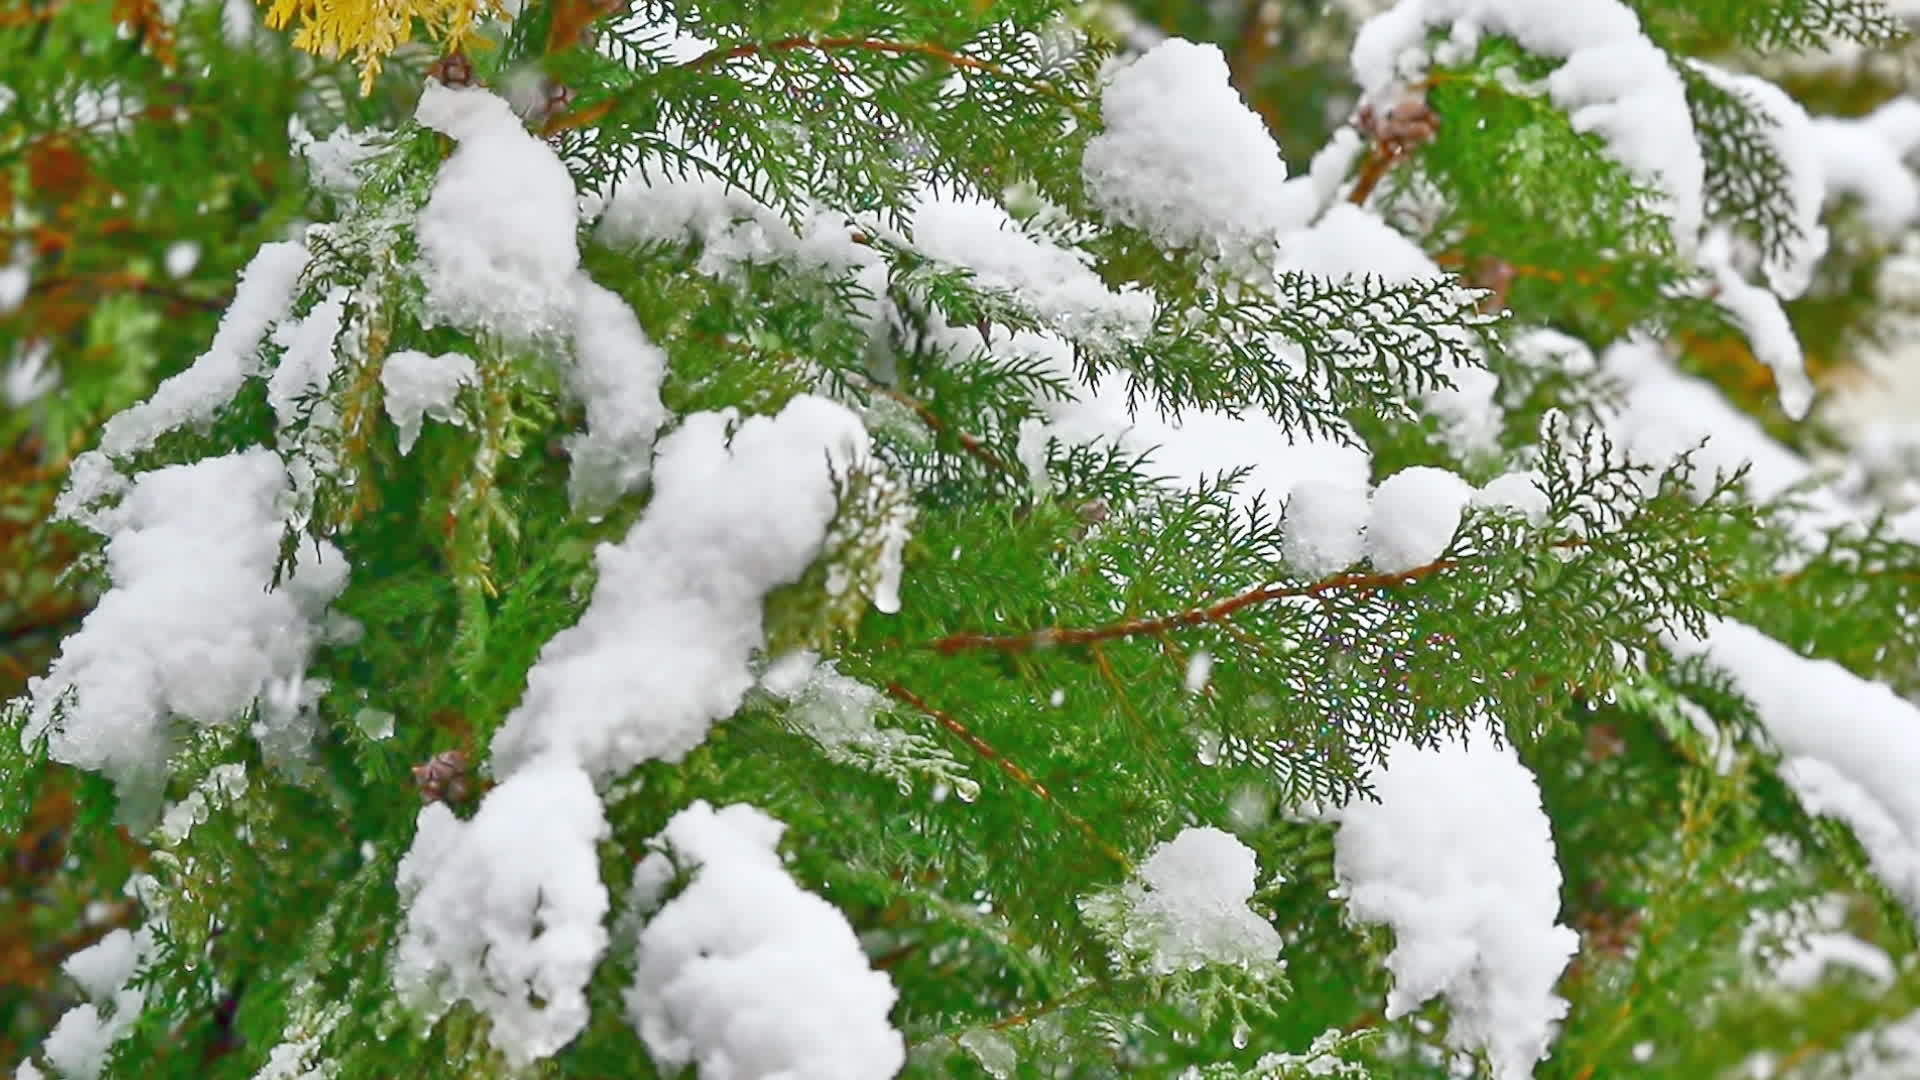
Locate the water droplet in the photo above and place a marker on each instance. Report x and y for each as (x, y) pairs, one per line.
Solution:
(968, 790)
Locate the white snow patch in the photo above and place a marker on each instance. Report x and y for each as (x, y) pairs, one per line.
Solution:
(415, 386)
(746, 975)
(1790, 136)
(497, 234)
(29, 377)
(504, 911)
(189, 628)
(262, 298)
(1186, 908)
(79, 1044)
(308, 359)
(1865, 159)
(1415, 514)
(1615, 82)
(1183, 159)
(1457, 857)
(1851, 746)
(662, 652)
(1518, 492)
(1763, 320)
(616, 372)
(1058, 284)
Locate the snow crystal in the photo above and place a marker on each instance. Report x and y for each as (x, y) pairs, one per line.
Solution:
(222, 785)
(416, 386)
(504, 911)
(294, 1061)
(746, 975)
(333, 162)
(498, 231)
(189, 628)
(1056, 283)
(662, 651)
(1199, 671)
(262, 297)
(1851, 747)
(80, 1042)
(617, 373)
(1456, 856)
(1614, 82)
(1187, 906)
(1415, 514)
(1183, 158)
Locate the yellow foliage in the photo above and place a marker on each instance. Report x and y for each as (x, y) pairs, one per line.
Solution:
(367, 30)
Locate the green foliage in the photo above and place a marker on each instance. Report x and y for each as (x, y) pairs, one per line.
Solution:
(1037, 727)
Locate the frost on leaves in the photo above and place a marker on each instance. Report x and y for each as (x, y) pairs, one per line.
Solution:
(504, 911)
(744, 974)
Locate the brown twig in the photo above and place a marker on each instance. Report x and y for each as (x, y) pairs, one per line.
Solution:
(1212, 613)
(1010, 767)
(1378, 163)
(1258, 30)
(968, 441)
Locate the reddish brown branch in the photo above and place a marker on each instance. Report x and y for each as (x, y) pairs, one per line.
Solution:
(1212, 613)
(1378, 163)
(1258, 31)
(968, 441)
(1008, 766)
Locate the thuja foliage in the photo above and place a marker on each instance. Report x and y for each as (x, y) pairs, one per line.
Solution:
(1096, 646)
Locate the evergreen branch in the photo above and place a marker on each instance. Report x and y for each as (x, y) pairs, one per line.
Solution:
(719, 55)
(1011, 768)
(968, 441)
(1197, 616)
